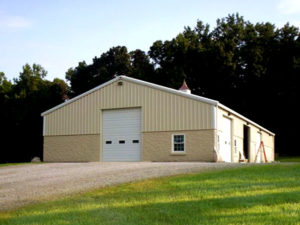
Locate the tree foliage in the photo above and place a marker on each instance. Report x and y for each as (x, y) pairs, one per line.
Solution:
(20, 117)
(116, 61)
(253, 68)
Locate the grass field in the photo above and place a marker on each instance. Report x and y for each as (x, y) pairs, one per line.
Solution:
(289, 159)
(263, 194)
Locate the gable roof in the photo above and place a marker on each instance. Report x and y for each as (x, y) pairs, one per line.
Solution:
(159, 87)
(137, 81)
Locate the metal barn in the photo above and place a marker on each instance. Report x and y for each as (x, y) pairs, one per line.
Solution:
(127, 119)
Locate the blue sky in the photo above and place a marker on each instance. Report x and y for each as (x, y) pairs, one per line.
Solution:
(59, 34)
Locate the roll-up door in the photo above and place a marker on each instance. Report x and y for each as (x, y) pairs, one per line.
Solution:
(122, 135)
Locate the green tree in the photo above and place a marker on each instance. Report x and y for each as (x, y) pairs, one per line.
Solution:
(20, 117)
(247, 66)
(116, 61)
(5, 87)
(140, 66)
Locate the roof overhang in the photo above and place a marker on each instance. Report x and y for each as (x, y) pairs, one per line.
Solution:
(130, 79)
(244, 118)
(79, 96)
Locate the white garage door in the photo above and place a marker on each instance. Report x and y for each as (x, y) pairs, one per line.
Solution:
(225, 147)
(122, 135)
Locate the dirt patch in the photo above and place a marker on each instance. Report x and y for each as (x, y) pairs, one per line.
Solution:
(24, 184)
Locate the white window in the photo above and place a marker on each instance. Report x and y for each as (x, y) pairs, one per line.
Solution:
(178, 141)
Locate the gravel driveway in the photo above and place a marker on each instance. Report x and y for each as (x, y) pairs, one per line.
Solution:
(24, 184)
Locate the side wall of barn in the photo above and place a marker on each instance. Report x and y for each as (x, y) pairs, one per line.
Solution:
(237, 141)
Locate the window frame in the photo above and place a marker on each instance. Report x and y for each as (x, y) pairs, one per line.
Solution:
(184, 144)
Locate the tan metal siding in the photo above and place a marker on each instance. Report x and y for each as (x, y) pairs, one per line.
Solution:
(162, 111)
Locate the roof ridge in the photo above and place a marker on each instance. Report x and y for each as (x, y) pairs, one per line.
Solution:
(124, 77)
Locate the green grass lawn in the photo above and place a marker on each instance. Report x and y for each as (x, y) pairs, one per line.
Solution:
(263, 194)
(289, 159)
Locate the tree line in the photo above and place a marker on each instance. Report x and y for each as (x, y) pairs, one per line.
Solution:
(21, 103)
(252, 68)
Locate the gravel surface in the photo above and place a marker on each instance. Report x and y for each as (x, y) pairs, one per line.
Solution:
(25, 184)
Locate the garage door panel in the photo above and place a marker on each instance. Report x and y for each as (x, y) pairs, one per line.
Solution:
(122, 135)
(123, 154)
(121, 130)
(113, 123)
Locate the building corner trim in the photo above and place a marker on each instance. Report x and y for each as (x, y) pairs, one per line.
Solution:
(214, 117)
(44, 125)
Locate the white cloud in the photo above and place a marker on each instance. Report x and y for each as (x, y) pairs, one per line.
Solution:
(7, 21)
(289, 6)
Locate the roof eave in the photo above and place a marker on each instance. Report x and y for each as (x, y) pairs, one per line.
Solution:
(159, 87)
(79, 96)
(245, 118)
(130, 79)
